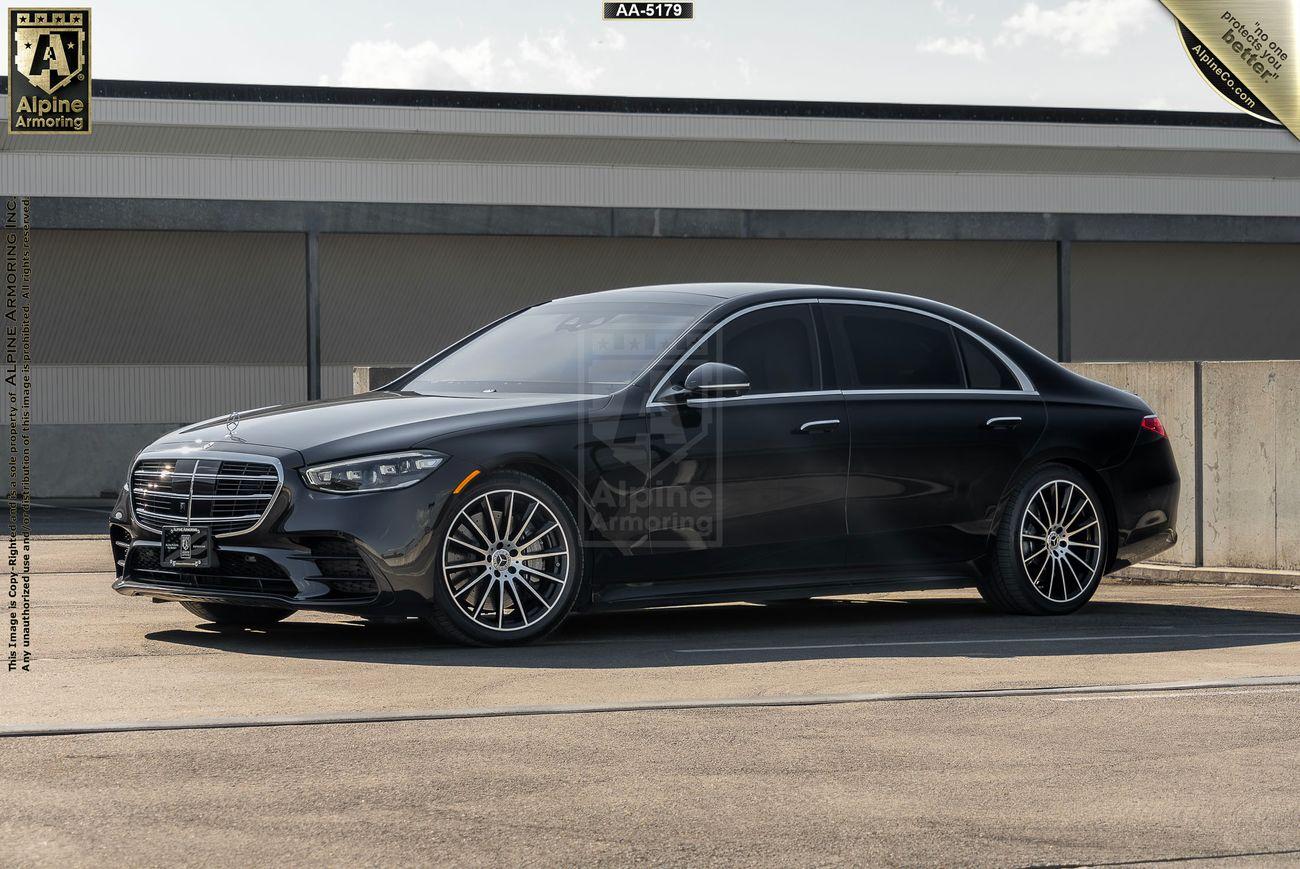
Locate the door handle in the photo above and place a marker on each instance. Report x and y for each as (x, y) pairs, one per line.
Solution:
(818, 426)
(1002, 422)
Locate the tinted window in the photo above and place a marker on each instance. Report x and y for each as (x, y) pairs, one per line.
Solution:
(564, 346)
(983, 369)
(884, 348)
(776, 347)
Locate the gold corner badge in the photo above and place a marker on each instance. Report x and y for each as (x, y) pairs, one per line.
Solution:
(49, 71)
(1245, 50)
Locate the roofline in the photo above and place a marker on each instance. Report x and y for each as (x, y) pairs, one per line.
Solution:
(318, 95)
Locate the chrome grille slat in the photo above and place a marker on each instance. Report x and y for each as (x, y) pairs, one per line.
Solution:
(202, 520)
(230, 493)
(183, 476)
(148, 494)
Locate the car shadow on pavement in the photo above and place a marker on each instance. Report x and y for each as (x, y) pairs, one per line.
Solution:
(824, 629)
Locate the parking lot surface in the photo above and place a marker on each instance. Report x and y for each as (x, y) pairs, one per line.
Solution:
(1158, 723)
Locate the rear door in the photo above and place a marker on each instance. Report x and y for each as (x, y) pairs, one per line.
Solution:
(940, 423)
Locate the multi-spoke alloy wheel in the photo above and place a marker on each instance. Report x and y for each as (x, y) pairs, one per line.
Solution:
(1051, 545)
(506, 560)
(1060, 541)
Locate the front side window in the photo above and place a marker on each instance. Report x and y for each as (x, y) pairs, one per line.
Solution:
(566, 346)
(775, 346)
(885, 348)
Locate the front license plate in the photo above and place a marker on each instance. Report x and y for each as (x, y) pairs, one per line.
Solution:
(186, 547)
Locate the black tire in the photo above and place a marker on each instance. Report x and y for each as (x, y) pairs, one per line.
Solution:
(1009, 582)
(458, 624)
(233, 615)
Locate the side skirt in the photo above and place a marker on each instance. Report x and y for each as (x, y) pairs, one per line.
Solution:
(747, 588)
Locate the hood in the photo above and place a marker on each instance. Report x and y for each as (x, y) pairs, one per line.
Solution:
(374, 422)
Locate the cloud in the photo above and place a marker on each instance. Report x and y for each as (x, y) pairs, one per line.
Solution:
(1082, 26)
(424, 65)
(550, 56)
(610, 40)
(538, 63)
(951, 14)
(954, 46)
(745, 69)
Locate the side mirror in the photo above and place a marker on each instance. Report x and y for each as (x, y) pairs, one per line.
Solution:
(716, 380)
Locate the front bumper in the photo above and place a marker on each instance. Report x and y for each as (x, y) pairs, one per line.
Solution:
(369, 554)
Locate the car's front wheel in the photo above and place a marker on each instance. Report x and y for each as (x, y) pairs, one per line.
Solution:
(511, 562)
(1050, 552)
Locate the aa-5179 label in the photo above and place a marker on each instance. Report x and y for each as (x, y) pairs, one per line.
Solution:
(652, 11)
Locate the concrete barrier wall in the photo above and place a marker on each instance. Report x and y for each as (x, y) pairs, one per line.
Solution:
(1235, 428)
(366, 378)
(1235, 432)
(1251, 445)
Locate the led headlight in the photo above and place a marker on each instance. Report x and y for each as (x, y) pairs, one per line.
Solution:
(373, 473)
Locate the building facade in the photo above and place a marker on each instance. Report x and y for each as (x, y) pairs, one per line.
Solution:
(214, 247)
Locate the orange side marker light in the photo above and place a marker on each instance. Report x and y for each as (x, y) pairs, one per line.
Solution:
(465, 482)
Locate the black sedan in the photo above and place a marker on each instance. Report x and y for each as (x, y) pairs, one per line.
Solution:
(661, 445)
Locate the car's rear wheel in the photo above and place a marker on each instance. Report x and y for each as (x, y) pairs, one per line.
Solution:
(511, 562)
(1051, 545)
(235, 616)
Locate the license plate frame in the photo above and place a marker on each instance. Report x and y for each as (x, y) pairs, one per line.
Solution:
(186, 546)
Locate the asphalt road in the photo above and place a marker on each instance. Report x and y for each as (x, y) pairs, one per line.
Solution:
(1161, 722)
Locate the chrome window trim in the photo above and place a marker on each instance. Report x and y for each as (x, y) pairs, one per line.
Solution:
(663, 381)
(1026, 385)
(812, 393)
(944, 391)
(190, 452)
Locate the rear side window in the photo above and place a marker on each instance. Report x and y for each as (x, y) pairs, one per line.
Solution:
(884, 348)
(984, 370)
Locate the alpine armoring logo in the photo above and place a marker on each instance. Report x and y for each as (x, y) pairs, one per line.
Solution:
(49, 71)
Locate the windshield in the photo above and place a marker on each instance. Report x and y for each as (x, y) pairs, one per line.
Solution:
(569, 346)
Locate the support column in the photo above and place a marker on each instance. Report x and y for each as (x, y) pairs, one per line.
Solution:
(313, 315)
(1063, 300)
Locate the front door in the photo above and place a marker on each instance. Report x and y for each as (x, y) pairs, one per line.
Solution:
(752, 484)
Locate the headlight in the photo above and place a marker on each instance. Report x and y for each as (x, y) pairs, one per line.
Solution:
(373, 473)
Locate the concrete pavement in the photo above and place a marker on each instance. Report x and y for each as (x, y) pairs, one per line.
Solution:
(1044, 778)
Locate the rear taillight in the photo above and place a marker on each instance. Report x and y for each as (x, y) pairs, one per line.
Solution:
(1152, 424)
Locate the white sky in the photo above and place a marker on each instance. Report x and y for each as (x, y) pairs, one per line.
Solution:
(1107, 53)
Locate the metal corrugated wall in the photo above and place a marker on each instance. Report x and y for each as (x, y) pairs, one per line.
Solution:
(201, 177)
(1186, 301)
(397, 299)
(135, 331)
(130, 394)
(368, 153)
(168, 297)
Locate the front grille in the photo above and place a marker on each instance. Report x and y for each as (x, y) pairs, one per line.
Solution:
(228, 497)
(238, 571)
